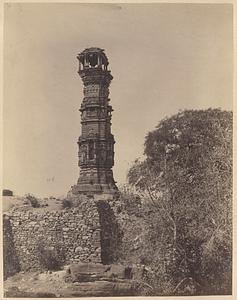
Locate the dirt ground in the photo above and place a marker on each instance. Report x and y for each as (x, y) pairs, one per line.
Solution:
(47, 284)
(52, 284)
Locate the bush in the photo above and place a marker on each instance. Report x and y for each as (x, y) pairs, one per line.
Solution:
(50, 258)
(67, 203)
(128, 201)
(33, 200)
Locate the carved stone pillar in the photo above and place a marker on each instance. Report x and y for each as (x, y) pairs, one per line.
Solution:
(96, 143)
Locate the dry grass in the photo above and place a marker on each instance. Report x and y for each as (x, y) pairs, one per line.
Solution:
(21, 203)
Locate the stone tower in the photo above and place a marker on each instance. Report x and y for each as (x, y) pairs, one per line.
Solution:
(96, 143)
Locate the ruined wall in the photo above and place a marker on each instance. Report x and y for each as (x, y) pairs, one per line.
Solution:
(10, 259)
(111, 234)
(67, 235)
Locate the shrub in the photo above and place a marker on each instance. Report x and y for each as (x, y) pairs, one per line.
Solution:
(33, 200)
(67, 203)
(50, 258)
(128, 201)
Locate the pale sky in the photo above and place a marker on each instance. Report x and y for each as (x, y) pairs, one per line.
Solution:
(164, 58)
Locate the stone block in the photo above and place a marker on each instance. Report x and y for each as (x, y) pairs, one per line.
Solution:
(78, 249)
(89, 272)
(65, 229)
(82, 271)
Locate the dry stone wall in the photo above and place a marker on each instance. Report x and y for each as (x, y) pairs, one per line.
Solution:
(71, 235)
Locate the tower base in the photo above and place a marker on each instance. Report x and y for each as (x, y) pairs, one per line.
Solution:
(97, 192)
(89, 189)
(95, 182)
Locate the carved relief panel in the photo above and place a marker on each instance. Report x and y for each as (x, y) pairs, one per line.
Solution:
(92, 112)
(92, 90)
(104, 92)
(83, 154)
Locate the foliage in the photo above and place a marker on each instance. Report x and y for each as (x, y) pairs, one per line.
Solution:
(33, 200)
(50, 258)
(186, 180)
(129, 201)
(67, 203)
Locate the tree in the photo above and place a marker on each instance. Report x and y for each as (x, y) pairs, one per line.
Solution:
(187, 178)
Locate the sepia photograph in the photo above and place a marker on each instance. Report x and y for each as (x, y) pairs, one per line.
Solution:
(117, 175)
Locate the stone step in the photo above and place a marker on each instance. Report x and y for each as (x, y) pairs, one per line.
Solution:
(89, 272)
(100, 288)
